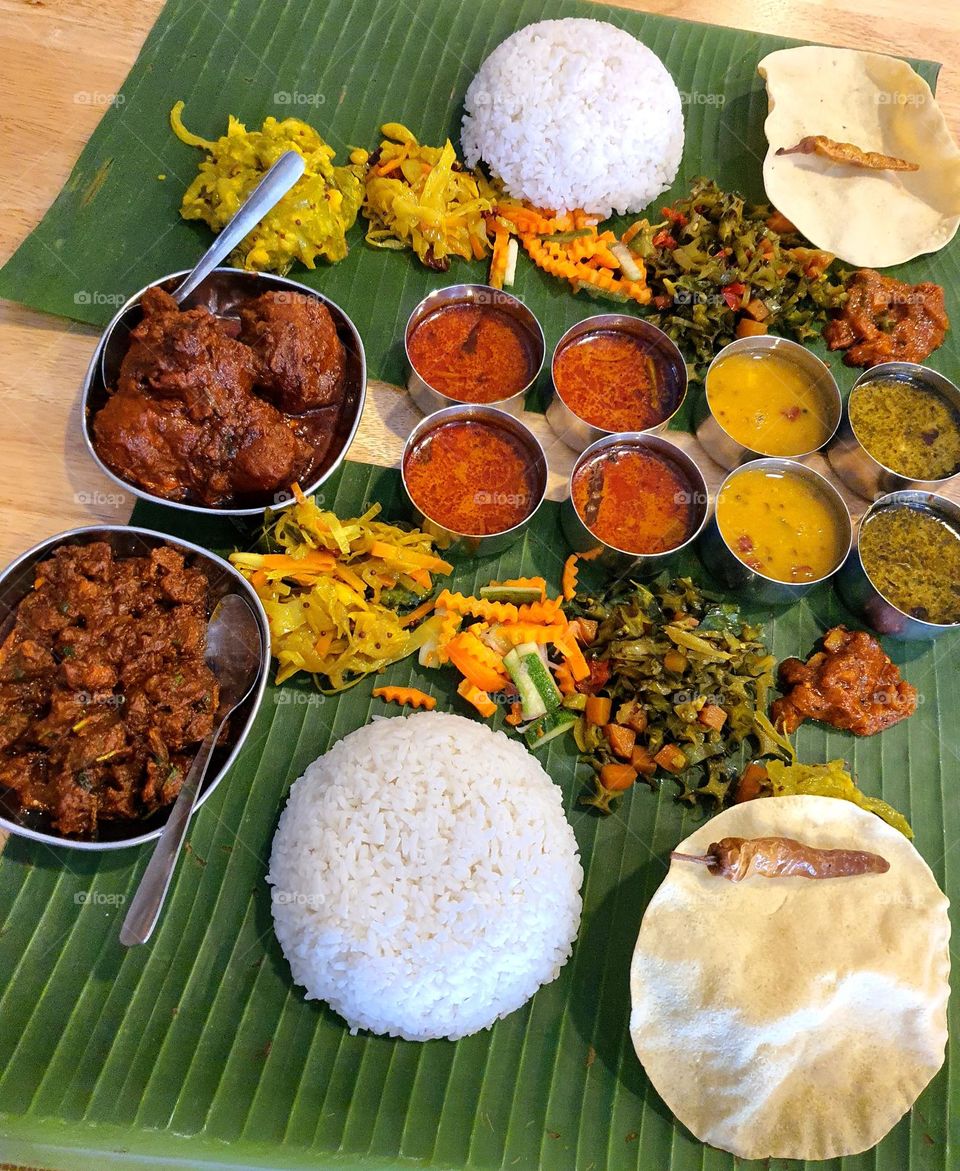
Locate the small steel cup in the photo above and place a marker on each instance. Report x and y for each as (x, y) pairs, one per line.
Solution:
(721, 560)
(856, 588)
(477, 544)
(719, 444)
(576, 432)
(427, 397)
(582, 539)
(855, 466)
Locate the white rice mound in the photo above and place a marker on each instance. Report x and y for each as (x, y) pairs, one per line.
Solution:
(575, 113)
(425, 879)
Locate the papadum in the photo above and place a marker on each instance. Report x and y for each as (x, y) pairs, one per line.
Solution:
(869, 218)
(784, 1018)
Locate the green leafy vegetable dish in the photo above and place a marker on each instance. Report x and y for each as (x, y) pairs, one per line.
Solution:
(679, 682)
(720, 268)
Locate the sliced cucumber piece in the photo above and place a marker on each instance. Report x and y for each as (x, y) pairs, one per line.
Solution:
(548, 728)
(519, 595)
(534, 660)
(532, 703)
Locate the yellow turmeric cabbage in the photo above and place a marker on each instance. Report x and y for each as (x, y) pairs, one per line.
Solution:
(333, 591)
(310, 221)
(421, 197)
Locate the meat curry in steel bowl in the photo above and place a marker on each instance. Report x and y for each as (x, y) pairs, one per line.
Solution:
(221, 403)
(104, 691)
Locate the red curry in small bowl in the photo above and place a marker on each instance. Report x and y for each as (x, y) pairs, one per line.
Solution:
(474, 471)
(472, 344)
(616, 373)
(634, 500)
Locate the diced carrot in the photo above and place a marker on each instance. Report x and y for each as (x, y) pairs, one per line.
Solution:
(476, 662)
(675, 662)
(747, 327)
(476, 698)
(756, 309)
(632, 715)
(752, 782)
(642, 760)
(620, 739)
(567, 646)
(712, 716)
(598, 709)
(671, 758)
(564, 677)
(568, 579)
(616, 777)
(515, 715)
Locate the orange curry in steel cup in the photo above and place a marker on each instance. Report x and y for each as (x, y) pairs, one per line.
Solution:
(616, 381)
(473, 352)
(634, 500)
(472, 477)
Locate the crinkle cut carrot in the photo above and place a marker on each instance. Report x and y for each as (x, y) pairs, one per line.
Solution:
(406, 696)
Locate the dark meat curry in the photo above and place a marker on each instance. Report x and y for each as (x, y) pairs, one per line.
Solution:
(851, 684)
(104, 692)
(185, 421)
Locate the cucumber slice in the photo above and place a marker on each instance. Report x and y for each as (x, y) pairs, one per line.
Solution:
(531, 703)
(548, 728)
(519, 595)
(541, 678)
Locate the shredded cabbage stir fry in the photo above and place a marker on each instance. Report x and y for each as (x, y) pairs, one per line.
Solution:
(421, 197)
(332, 590)
(687, 677)
(310, 221)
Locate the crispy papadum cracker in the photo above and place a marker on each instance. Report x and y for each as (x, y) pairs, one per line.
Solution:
(792, 1019)
(871, 219)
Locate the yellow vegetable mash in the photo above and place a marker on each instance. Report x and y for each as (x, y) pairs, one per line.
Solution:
(768, 404)
(780, 525)
(310, 221)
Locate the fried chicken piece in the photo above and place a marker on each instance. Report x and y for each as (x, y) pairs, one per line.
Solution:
(298, 356)
(851, 684)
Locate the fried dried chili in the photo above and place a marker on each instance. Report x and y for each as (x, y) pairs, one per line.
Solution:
(739, 858)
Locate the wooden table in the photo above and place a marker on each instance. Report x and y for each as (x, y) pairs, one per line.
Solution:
(54, 48)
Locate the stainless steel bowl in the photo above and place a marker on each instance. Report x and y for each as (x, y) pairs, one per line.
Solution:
(856, 588)
(427, 398)
(222, 292)
(719, 444)
(622, 561)
(721, 560)
(576, 432)
(855, 466)
(16, 581)
(476, 544)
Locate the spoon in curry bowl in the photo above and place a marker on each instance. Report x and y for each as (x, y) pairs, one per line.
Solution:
(234, 653)
(263, 198)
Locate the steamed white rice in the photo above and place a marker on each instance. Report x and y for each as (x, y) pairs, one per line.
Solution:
(425, 879)
(575, 113)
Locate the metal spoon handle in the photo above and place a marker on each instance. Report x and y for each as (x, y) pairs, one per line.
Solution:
(268, 192)
(145, 907)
